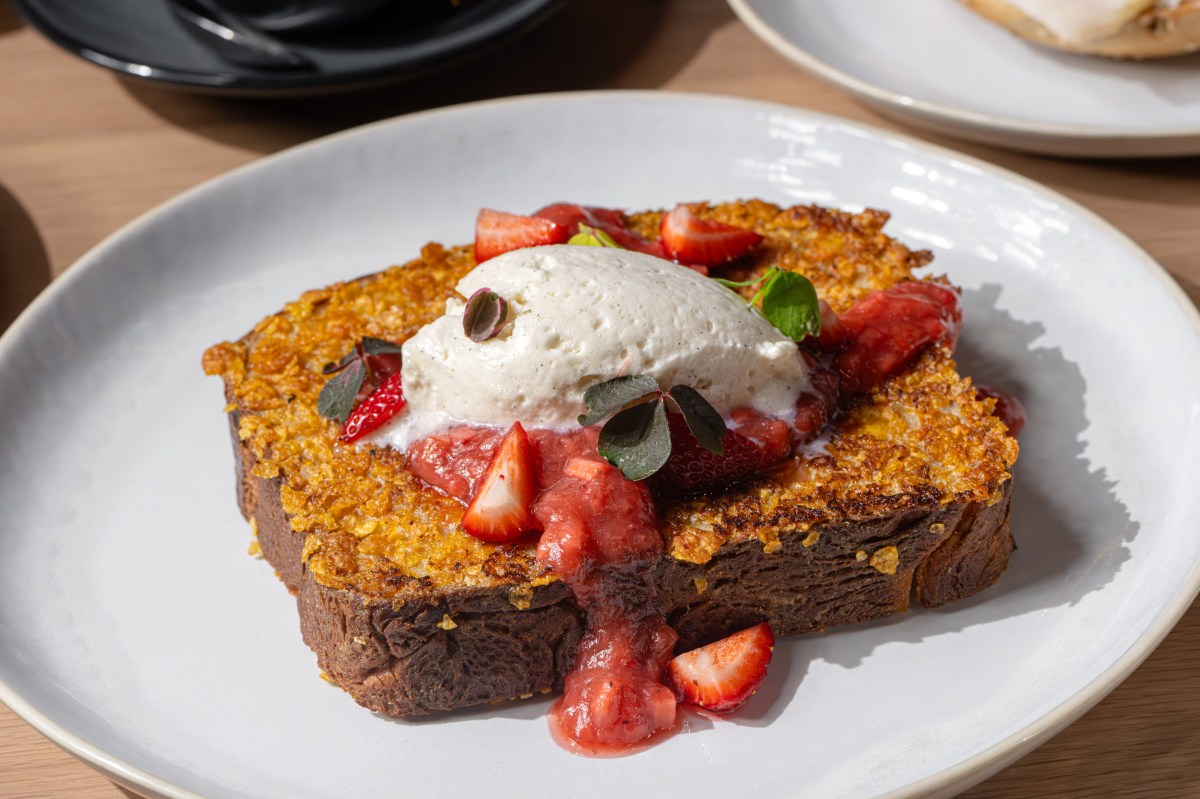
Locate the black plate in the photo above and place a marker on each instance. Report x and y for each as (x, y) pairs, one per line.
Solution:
(144, 39)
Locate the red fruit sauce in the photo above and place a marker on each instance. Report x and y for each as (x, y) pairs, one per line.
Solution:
(885, 331)
(600, 531)
(600, 536)
(1008, 408)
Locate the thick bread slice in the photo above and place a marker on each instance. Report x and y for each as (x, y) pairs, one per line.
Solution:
(410, 615)
(1156, 33)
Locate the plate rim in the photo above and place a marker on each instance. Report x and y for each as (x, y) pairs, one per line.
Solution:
(514, 20)
(950, 114)
(956, 777)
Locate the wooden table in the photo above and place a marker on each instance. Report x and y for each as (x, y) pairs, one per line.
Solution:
(83, 152)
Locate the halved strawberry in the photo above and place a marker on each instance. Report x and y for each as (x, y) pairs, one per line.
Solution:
(692, 468)
(500, 510)
(497, 233)
(380, 405)
(723, 674)
(689, 239)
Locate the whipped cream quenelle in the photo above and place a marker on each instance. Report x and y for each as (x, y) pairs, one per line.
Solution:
(1081, 21)
(579, 316)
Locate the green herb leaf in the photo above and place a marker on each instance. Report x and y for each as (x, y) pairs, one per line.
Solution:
(379, 346)
(789, 302)
(589, 236)
(702, 418)
(637, 440)
(485, 315)
(337, 397)
(613, 395)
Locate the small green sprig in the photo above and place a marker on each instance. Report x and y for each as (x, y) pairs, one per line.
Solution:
(788, 300)
(637, 439)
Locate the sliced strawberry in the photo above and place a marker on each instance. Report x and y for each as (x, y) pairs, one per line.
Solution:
(610, 221)
(946, 300)
(1008, 408)
(689, 239)
(723, 674)
(501, 510)
(885, 331)
(833, 335)
(380, 405)
(565, 214)
(497, 233)
(692, 468)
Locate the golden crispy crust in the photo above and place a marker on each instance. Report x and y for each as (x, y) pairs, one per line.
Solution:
(1156, 33)
(373, 528)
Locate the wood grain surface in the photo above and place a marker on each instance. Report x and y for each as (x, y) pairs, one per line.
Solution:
(83, 152)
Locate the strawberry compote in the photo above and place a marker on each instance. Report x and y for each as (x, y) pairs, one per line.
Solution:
(600, 536)
(884, 332)
(599, 530)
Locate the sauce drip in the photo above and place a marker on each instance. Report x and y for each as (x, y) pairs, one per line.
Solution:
(600, 537)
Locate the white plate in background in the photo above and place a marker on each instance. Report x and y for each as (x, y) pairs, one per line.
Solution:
(136, 633)
(938, 65)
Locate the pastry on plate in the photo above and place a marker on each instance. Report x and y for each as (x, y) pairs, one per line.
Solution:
(1128, 29)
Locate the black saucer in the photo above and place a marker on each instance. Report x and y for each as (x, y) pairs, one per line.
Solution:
(144, 39)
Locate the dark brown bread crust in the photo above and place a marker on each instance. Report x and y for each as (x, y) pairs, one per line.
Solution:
(400, 658)
(972, 557)
(952, 552)
(458, 648)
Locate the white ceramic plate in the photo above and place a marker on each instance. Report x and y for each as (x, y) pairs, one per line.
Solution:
(935, 64)
(135, 631)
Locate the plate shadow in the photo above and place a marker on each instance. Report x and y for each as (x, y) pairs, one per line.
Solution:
(1070, 527)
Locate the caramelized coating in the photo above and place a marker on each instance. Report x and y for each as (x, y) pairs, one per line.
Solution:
(921, 438)
(845, 255)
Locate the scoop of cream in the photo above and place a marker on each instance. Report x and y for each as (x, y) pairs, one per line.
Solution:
(1081, 21)
(579, 316)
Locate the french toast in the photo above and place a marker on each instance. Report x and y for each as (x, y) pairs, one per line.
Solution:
(907, 497)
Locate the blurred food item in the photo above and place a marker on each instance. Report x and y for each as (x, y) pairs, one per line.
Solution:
(1135, 29)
